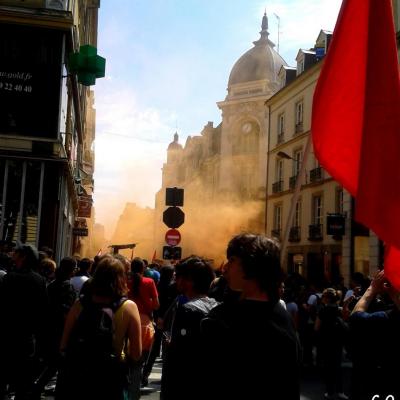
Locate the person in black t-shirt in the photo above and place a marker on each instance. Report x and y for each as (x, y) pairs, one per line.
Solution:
(250, 344)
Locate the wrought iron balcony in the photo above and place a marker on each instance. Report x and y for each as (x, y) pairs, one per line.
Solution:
(315, 232)
(276, 233)
(295, 234)
(316, 174)
(277, 187)
(299, 127)
(292, 182)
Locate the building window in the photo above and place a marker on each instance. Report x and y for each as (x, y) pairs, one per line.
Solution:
(277, 220)
(279, 170)
(281, 127)
(300, 66)
(297, 214)
(339, 201)
(297, 158)
(299, 117)
(317, 210)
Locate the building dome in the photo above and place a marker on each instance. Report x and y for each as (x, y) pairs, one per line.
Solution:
(175, 145)
(260, 62)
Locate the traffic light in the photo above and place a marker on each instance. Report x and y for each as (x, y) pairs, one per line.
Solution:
(172, 253)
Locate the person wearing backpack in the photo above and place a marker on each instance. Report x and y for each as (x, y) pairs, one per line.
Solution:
(101, 339)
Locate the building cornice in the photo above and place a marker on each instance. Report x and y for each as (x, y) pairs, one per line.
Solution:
(54, 19)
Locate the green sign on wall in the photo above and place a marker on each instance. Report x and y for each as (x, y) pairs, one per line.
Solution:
(87, 65)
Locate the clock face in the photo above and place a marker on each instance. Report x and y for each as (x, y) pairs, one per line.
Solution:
(246, 127)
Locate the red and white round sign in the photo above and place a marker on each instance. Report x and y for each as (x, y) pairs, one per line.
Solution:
(172, 237)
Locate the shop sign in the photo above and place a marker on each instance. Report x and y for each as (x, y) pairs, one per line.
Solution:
(335, 225)
(80, 231)
(85, 206)
(31, 62)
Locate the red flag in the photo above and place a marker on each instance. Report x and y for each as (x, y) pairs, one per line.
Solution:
(356, 117)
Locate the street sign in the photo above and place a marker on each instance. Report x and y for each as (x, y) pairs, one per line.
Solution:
(335, 224)
(172, 253)
(80, 231)
(173, 217)
(174, 197)
(172, 237)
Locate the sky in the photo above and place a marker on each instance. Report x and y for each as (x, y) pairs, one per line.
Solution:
(168, 63)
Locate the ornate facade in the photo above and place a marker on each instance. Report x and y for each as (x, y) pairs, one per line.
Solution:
(223, 170)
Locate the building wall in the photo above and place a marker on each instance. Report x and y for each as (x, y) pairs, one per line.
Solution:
(62, 154)
(310, 250)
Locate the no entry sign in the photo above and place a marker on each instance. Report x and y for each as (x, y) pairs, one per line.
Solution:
(172, 237)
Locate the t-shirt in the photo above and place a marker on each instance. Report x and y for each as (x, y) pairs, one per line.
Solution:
(77, 282)
(248, 345)
(146, 297)
(292, 308)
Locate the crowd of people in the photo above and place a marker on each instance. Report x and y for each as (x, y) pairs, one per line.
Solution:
(243, 332)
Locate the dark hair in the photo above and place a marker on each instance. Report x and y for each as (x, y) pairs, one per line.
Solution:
(331, 295)
(198, 270)
(30, 254)
(109, 279)
(47, 250)
(84, 266)
(66, 268)
(260, 259)
(137, 269)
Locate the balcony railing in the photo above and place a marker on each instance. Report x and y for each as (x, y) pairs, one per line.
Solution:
(315, 232)
(316, 174)
(292, 181)
(281, 137)
(277, 187)
(276, 233)
(295, 234)
(299, 127)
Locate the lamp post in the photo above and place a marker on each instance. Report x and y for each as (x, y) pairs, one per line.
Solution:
(295, 197)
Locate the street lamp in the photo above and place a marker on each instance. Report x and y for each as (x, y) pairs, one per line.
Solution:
(282, 154)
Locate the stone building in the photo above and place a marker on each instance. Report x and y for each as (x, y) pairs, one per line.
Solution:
(135, 225)
(223, 170)
(241, 174)
(310, 250)
(46, 123)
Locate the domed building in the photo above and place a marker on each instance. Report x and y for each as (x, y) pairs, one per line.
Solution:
(223, 170)
(253, 79)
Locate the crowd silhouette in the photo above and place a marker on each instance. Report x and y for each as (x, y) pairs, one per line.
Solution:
(99, 325)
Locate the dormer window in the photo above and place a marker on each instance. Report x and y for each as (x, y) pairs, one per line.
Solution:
(300, 66)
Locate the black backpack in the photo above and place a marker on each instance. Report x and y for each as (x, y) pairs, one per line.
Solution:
(91, 367)
(92, 336)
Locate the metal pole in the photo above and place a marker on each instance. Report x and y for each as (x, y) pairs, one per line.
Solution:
(295, 198)
(22, 200)
(3, 208)
(279, 27)
(267, 172)
(40, 200)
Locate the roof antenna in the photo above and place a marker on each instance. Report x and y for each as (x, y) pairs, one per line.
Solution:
(279, 27)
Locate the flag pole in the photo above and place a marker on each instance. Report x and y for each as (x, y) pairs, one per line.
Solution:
(294, 200)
